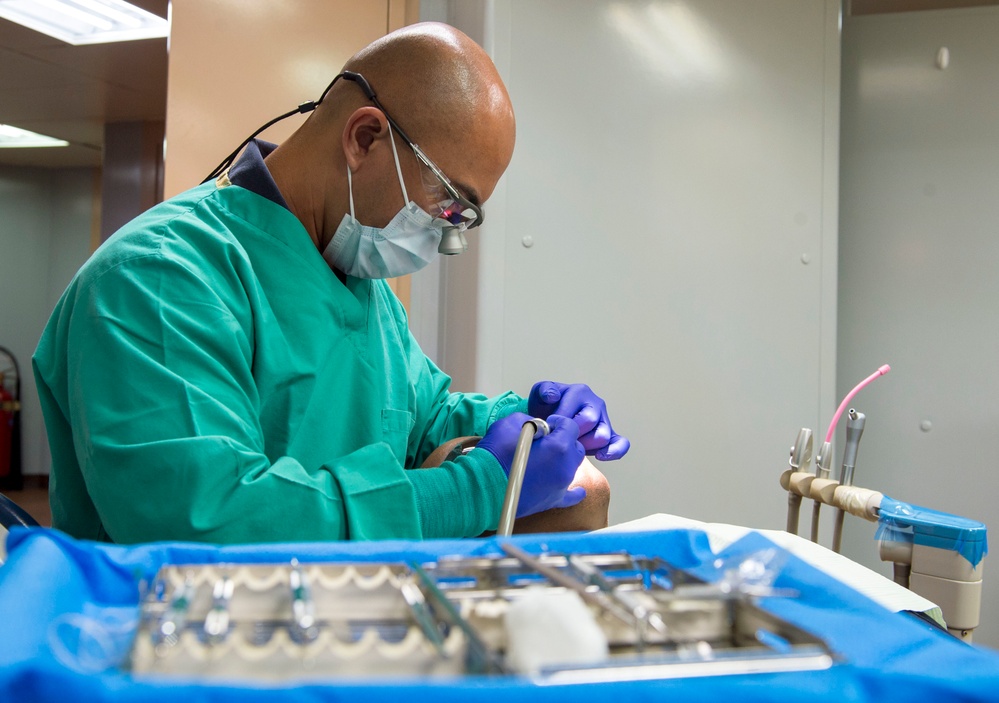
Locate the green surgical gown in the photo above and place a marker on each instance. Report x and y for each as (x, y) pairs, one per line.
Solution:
(207, 377)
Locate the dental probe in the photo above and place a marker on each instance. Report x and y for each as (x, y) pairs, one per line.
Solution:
(476, 646)
(854, 431)
(644, 618)
(413, 596)
(532, 429)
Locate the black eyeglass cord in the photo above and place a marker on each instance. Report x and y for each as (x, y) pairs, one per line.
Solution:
(307, 106)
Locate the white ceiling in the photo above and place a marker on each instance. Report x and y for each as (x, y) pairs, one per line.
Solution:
(70, 92)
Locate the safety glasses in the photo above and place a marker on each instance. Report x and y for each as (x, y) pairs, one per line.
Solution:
(457, 212)
(453, 208)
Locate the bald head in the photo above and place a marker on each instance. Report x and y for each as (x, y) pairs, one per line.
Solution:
(433, 78)
(441, 88)
(439, 85)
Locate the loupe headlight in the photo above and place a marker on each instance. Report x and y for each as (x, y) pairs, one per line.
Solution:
(453, 241)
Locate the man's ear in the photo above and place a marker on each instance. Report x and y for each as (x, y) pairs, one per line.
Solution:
(364, 127)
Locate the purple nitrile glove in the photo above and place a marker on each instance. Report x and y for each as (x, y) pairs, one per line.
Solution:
(551, 465)
(587, 409)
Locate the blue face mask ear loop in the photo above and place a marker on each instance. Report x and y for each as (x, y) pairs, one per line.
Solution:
(398, 168)
(398, 172)
(350, 192)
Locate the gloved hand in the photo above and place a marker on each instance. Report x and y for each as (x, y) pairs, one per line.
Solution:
(587, 409)
(551, 465)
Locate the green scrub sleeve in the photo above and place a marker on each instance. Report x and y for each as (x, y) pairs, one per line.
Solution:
(509, 409)
(378, 500)
(440, 414)
(358, 497)
(461, 497)
(163, 407)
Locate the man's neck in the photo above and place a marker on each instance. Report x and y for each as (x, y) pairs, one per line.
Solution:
(293, 182)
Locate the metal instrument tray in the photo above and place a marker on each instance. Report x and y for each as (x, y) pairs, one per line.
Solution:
(279, 622)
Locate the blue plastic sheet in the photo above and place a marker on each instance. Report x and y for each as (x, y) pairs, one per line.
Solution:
(883, 656)
(904, 522)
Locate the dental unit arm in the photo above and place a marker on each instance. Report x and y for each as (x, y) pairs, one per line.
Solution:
(824, 459)
(937, 555)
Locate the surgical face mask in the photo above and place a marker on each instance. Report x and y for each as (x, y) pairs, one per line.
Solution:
(408, 243)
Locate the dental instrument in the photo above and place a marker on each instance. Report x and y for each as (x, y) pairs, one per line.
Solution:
(216, 626)
(303, 610)
(601, 600)
(532, 429)
(413, 596)
(825, 454)
(801, 455)
(644, 618)
(854, 431)
(171, 624)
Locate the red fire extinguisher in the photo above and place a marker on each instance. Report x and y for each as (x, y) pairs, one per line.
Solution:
(10, 422)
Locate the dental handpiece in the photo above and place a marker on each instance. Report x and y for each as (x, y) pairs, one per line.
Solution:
(854, 431)
(825, 454)
(801, 455)
(532, 429)
(822, 462)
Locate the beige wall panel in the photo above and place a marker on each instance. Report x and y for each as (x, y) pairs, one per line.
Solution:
(235, 64)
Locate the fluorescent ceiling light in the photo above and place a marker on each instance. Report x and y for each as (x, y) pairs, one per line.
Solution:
(85, 21)
(17, 138)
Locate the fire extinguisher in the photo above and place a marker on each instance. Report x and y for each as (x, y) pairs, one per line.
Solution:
(11, 477)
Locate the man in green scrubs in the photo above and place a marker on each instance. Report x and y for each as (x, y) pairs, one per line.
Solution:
(232, 367)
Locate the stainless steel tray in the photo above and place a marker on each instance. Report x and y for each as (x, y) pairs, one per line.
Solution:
(275, 622)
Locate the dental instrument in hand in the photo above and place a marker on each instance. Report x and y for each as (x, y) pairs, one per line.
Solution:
(532, 429)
